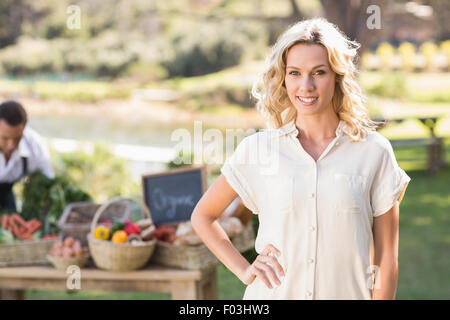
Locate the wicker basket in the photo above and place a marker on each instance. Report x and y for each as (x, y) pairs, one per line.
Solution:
(119, 256)
(76, 219)
(199, 256)
(62, 263)
(25, 253)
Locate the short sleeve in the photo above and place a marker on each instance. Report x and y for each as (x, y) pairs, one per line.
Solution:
(40, 155)
(388, 183)
(240, 173)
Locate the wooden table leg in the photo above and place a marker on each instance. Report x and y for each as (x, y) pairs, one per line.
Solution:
(210, 288)
(184, 290)
(12, 294)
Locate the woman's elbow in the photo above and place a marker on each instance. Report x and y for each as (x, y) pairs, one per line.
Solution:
(197, 217)
(194, 217)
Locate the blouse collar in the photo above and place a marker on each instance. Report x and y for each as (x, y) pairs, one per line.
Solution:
(290, 129)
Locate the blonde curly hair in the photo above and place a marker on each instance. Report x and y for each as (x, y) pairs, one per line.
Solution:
(348, 100)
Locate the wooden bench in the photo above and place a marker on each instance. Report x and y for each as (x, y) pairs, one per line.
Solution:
(434, 145)
(435, 150)
(181, 284)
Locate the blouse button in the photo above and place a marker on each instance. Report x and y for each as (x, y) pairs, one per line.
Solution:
(313, 228)
(311, 195)
(309, 293)
(310, 260)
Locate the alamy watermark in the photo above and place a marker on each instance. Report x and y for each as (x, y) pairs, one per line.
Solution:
(374, 19)
(73, 21)
(374, 282)
(212, 146)
(74, 279)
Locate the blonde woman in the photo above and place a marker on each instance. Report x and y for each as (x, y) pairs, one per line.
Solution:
(328, 207)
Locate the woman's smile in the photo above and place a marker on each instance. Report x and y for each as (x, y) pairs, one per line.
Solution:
(307, 101)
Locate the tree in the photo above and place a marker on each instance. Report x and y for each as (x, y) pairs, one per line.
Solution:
(351, 17)
(12, 15)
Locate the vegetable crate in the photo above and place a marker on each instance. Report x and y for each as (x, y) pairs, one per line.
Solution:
(25, 253)
(199, 256)
(76, 220)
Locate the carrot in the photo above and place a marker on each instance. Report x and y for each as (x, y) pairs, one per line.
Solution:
(15, 229)
(35, 226)
(24, 235)
(29, 223)
(18, 219)
(23, 229)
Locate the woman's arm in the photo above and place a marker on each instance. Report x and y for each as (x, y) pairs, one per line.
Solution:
(385, 234)
(204, 221)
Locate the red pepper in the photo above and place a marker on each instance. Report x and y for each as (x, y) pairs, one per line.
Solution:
(132, 228)
(50, 236)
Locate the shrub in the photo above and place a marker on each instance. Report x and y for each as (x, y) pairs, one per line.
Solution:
(385, 52)
(407, 51)
(199, 50)
(428, 50)
(100, 173)
(390, 86)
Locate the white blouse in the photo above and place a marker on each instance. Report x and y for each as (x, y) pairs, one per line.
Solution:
(318, 214)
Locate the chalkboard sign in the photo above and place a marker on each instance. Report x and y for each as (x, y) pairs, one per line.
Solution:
(171, 196)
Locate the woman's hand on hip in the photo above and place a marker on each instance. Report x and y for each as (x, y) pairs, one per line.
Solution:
(264, 267)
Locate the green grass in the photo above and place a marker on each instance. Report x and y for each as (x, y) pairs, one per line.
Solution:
(424, 243)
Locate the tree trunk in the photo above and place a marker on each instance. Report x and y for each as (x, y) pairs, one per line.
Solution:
(351, 18)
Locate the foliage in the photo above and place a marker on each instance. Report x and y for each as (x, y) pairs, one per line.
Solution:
(99, 172)
(105, 55)
(385, 52)
(392, 85)
(45, 199)
(407, 51)
(445, 48)
(178, 161)
(428, 50)
(83, 91)
(428, 56)
(211, 49)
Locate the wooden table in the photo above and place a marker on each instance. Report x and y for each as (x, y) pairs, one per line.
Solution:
(181, 284)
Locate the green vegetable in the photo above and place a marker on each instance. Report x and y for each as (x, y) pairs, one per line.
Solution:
(37, 235)
(6, 236)
(45, 199)
(117, 226)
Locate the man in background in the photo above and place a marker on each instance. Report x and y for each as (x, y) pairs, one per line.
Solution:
(22, 152)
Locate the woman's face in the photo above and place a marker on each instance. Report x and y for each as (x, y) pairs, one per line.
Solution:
(309, 79)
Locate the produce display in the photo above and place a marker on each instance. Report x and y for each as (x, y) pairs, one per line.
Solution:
(44, 199)
(14, 228)
(166, 233)
(39, 220)
(126, 231)
(184, 234)
(68, 248)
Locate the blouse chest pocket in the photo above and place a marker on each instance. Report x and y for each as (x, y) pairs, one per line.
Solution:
(279, 195)
(350, 190)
